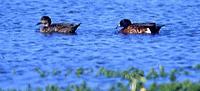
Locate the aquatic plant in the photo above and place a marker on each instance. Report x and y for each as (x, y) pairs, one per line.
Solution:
(186, 73)
(133, 75)
(152, 74)
(42, 73)
(56, 72)
(79, 72)
(136, 80)
(173, 75)
(162, 71)
(197, 66)
(174, 86)
(52, 88)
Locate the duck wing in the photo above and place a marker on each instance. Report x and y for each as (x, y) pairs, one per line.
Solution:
(154, 28)
(65, 27)
(144, 24)
(135, 30)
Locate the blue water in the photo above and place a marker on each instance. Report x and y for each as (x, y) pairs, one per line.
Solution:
(23, 48)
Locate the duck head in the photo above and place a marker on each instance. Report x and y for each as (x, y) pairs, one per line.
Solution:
(124, 23)
(45, 21)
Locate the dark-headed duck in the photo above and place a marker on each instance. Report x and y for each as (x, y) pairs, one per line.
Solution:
(49, 27)
(138, 28)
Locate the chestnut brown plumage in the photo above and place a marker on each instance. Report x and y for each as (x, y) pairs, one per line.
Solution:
(138, 28)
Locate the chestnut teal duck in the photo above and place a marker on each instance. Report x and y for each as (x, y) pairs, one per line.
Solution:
(48, 27)
(138, 28)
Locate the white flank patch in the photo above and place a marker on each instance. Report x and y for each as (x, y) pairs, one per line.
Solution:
(148, 31)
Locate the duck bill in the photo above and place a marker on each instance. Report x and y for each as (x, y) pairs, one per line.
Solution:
(117, 26)
(39, 23)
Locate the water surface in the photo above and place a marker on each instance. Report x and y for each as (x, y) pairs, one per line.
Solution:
(96, 44)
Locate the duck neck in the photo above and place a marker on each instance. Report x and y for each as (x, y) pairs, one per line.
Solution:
(47, 25)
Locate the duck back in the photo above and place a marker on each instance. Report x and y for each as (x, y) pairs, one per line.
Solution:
(64, 27)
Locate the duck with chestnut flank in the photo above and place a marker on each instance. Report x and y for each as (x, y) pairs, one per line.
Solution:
(48, 27)
(138, 28)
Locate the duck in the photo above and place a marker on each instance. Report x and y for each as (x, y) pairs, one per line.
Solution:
(138, 28)
(49, 27)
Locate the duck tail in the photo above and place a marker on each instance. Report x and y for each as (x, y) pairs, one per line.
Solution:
(78, 25)
(158, 27)
(75, 27)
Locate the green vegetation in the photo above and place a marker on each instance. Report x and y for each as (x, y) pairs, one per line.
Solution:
(176, 86)
(152, 74)
(137, 80)
(79, 72)
(162, 71)
(56, 72)
(197, 66)
(173, 75)
(40, 72)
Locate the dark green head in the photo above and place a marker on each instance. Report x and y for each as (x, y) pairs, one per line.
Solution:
(125, 23)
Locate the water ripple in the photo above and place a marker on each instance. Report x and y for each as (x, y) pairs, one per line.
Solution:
(96, 44)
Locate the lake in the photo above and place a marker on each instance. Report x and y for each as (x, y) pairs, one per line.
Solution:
(23, 48)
